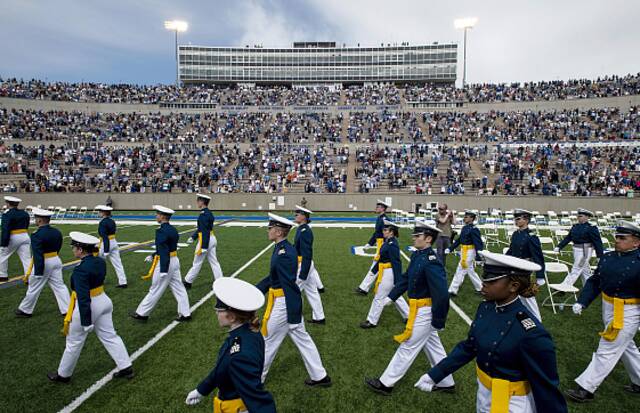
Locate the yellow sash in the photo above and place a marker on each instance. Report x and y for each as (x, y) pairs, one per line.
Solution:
(228, 406)
(154, 263)
(299, 259)
(465, 250)
(381, 267)
(25, 279)
(414, 304)
(611, 332)
(502, 390)
(72, 305)
(18, 231)
(273, 294)
(379, 242)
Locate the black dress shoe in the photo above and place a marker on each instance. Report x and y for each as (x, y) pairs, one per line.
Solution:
(452, 295)
(323, 321)
(187, 285)
(63, 315)
(54, 376)
(5, 279)
(360, 291)
(366, 324)
(183, 318)
(377, 386)
(21, 314)
(121, 286)
(321, 290)
(632, 388)
(444, 389)
(138, 317)
(579, 395)
(325, 382)
(126, 373)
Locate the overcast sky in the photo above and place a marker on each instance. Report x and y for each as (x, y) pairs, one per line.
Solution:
(124, 41)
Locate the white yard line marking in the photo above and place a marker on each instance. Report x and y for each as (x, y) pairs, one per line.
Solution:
(451, 303)
(109, 376)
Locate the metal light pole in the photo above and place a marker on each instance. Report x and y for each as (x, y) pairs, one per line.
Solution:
(176, 26)
(465, 24)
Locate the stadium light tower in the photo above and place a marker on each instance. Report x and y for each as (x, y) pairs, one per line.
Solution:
(176, 26)
(465, 24)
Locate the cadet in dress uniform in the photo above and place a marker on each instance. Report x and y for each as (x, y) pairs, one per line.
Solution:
(238, 370)
(471, 243)
(376, 240)
(388, 272)
(308, 277)
(586, 239)
(15, 237)
(617, 277)
(46, 267)
(426, 284)
(283, 315)
(515, 355)
(165, 270)
(206, 245)
(90, 309)
(109, 245)
(526, 245)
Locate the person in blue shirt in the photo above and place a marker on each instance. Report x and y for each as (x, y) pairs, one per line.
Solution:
(526, 245)
(90, 309)
(283, 315)
(470, 242)
(515, 356)
(376, 240)
(388, 272)
(238, 370)
(586, 239)
(165, 270)
(206, 245)
(425, 282)
(109, 245)
(46, 266)
(308, 277)
(14, 237)
(617, 279)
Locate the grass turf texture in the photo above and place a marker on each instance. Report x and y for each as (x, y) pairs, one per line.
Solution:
(174, 366)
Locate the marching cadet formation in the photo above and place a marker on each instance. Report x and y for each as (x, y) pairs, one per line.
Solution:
(514, 355)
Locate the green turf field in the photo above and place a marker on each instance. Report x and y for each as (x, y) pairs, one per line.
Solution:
(174, 366)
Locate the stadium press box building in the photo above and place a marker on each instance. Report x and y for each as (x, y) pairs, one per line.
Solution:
(318, 63)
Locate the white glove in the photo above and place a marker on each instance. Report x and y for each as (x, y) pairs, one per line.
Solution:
(300, 282)
(194, 397)
(556, 249)
(189, 240)
(425, 383)
(106, 254)
(577, 308)
(162, 274)
(447, 251)
(540, 281)
(88, 329)
(293, 326)
(387, 301)
(149, 258)
(203, 251)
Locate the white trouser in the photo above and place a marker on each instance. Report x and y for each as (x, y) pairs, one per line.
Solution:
(173, 279)
(101, 310)
(377, 305)
(52, 275)
(517, 404)
(458, 277)
(369, 278)
(581, 256)
(310, 289)
(423, 337)
(20, 243)
(198, 260)
(609, 352)
(114, 258)
(532, 305)
(277, 329)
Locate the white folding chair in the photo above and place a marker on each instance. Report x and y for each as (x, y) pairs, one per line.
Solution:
(555, 289)
(82, 212)
(72, 211)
